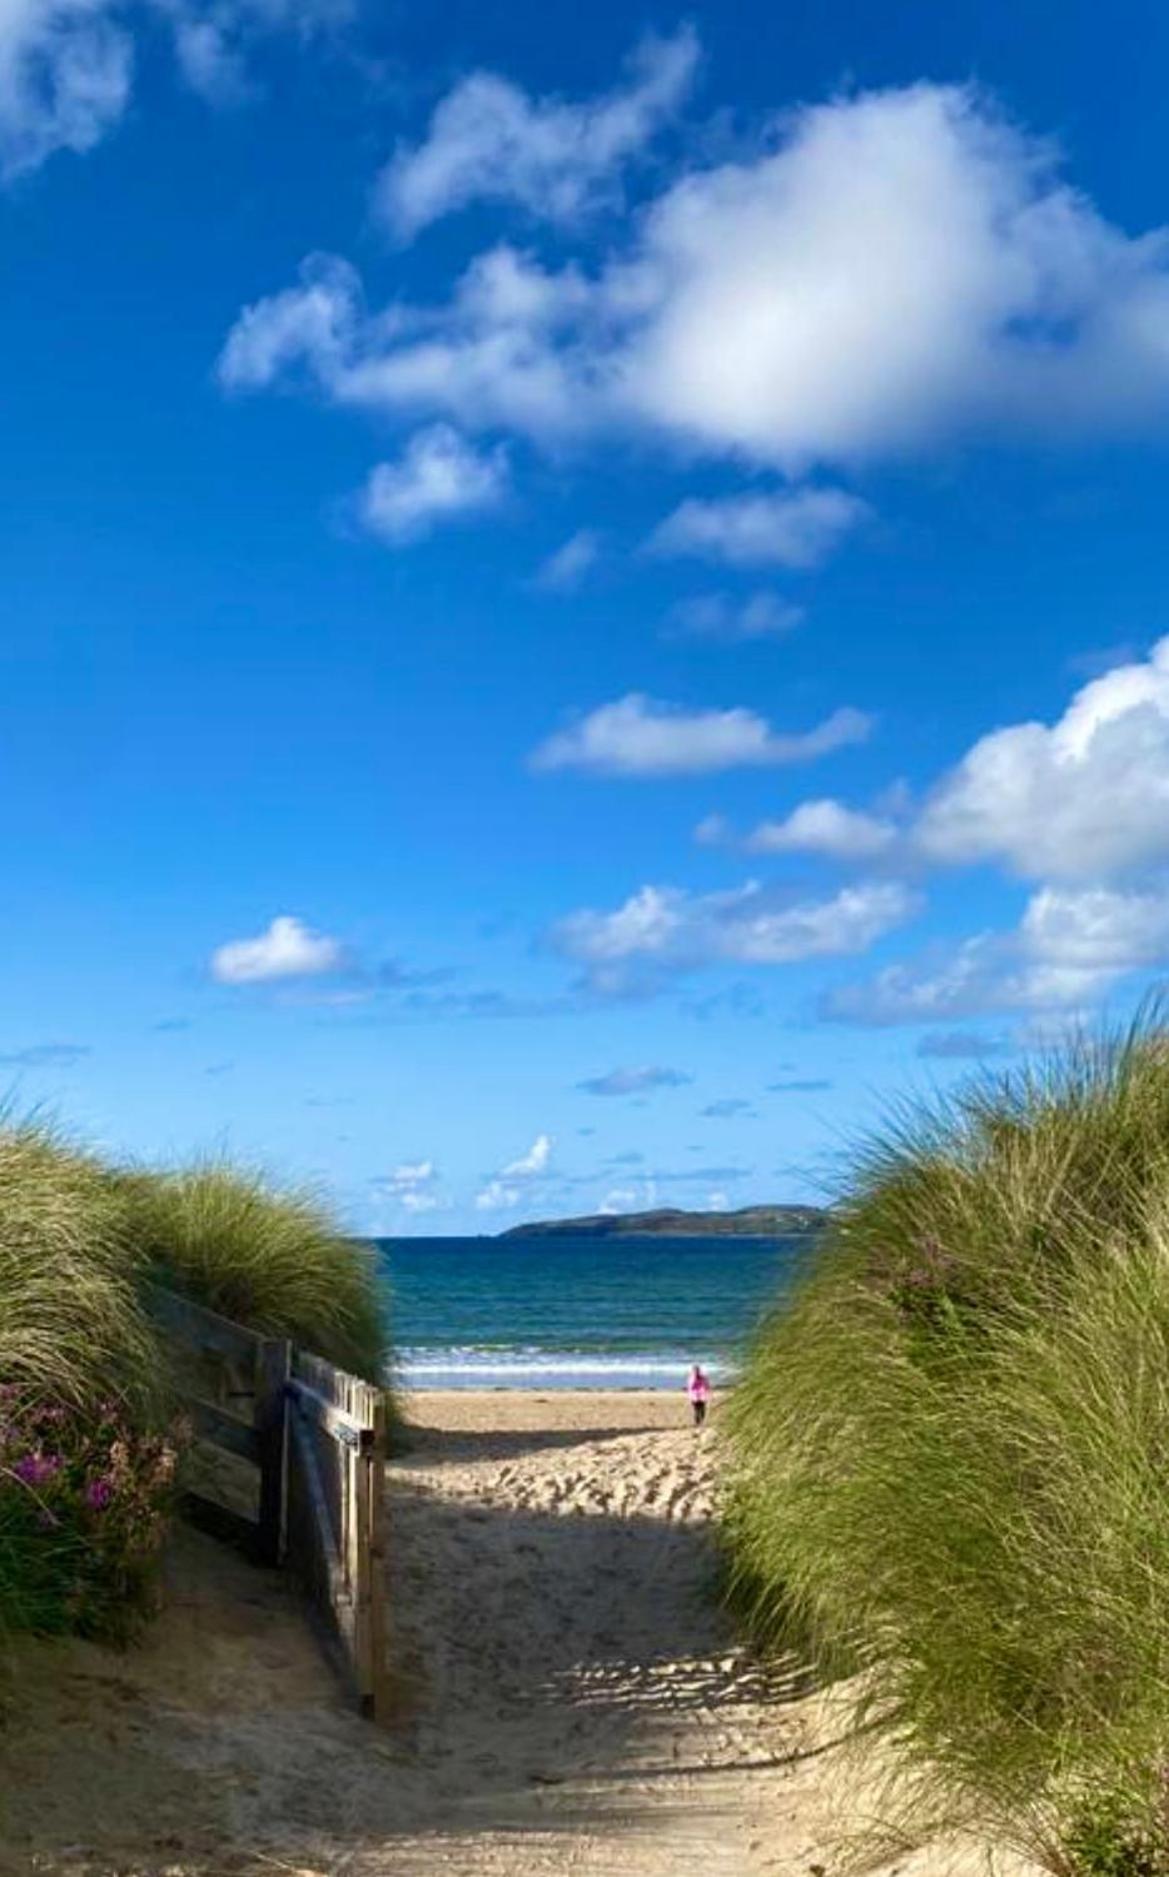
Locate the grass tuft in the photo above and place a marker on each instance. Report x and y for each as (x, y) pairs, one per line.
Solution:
(952, 1457)
(268, 1257)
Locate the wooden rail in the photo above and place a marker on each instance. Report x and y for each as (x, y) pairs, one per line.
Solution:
(290, 1461)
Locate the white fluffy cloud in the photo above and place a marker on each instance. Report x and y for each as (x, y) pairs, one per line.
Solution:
(438, 478)
(660, 930)
(1070, 947)
(489, 140)
(1082, 800)
(67, 66)
(1085, 798)
(288, 949)
(819, 827)
(640, 737)
(531, 1164)
(882, 272)
(785, 528)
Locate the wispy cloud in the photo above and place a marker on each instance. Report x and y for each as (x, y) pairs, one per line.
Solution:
(761, 615)
(490, 140)
(564, 570)
(636, 1081)
(67, 66)
(958, 1045)
(787, 528)
(728, 1108)
(46, 1056)
(638, 737)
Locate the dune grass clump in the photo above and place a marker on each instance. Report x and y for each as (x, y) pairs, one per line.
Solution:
(71, 1328)
(952, 1459)
(85, 1467)
(270, 1258)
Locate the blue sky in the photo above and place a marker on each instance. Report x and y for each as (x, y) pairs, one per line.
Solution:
(583, 602)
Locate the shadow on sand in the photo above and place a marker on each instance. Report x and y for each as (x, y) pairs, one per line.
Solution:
(551, 1668)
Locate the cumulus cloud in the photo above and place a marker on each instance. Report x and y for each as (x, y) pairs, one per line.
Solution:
(818, 827)
(786, 528)
(438, 478)
(761, 615)
(639, 737)
(567, 567)
(636, 1081)
(489, 140)
(288, 949)
(661, 930)
(1084, 798)
(1070, 947)
(880, 273)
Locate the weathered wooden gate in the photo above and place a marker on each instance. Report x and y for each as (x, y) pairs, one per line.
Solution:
(336, 1474)
(289, 1460)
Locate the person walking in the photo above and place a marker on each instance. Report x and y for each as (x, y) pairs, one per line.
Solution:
(699, 1390)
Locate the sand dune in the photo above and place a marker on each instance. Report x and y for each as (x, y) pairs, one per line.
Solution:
(571, 1699)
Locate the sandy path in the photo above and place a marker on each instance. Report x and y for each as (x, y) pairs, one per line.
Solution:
(571, 1697)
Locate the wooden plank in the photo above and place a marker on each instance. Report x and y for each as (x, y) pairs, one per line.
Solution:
(318, 1505)
(201, 1329)
(273, 1359)
(219, 1521)
(337, 1422)
(379, 1699)
(224, 1430)
(362, 1574)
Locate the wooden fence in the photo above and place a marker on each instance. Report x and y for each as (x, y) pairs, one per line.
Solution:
(290, 1461)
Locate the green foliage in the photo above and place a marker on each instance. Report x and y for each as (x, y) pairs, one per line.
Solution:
(86, 1409)
(953, 1457)
(269, 1258)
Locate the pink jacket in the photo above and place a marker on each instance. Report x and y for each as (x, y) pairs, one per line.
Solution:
(698, 1388)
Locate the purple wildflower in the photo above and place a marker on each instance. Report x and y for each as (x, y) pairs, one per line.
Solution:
(37, 1469)
(99, 1492)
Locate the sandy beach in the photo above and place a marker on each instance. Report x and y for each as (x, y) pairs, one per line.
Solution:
(570, 1695)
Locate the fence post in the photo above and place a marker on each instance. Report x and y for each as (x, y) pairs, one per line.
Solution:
(273, 1366)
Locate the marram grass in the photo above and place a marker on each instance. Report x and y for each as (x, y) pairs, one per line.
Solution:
(267, 1256)
(79, 1241)
(952, 1459)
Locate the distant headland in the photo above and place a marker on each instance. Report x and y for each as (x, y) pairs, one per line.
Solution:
(672, 1222)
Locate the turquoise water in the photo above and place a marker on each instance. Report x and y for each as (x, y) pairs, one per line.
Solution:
(578, 1312)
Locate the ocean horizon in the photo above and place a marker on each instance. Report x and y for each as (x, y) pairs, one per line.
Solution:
(567, 1311)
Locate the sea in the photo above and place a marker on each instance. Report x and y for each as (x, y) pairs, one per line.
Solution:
(579, 1312)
